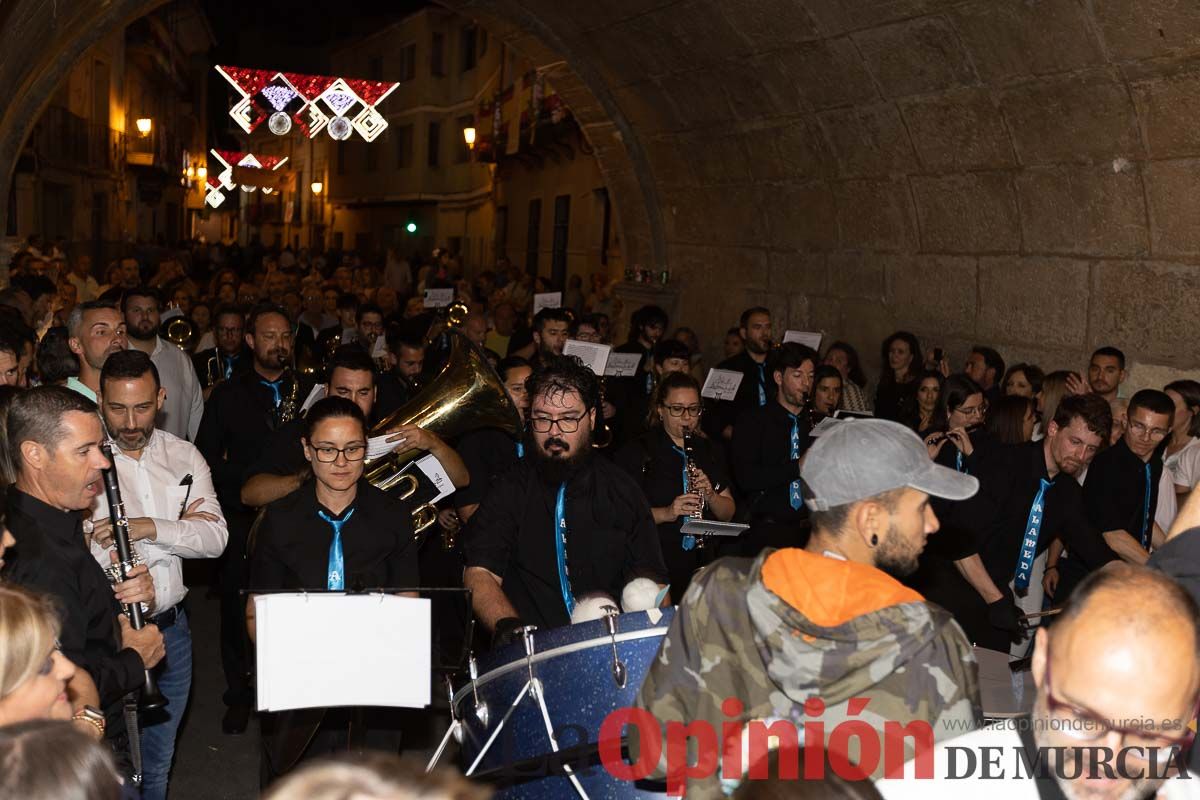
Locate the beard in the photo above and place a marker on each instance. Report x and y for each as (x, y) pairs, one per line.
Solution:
(896, 556)
(132, 438)
(758, 349)
(143, 331)
(563, 464)
(277, 358)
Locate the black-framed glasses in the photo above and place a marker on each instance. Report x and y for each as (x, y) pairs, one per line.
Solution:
(352, 452)
(545, 424)
(679, 411)
(1085, 725)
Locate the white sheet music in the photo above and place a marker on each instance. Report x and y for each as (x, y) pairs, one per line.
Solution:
(810, 338)
(721, 384)
(438, 298)
(546, 300)
(622, 365)
(593, 355)
(317, 393)
(324, 650)
(437, 475)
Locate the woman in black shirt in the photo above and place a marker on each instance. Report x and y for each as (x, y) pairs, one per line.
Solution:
(958, 424)
(896, 396)
(658, 462)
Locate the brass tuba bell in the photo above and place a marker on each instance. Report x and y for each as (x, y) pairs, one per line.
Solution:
(179, 331)
(467, 394)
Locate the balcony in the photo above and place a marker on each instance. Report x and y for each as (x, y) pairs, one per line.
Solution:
(65, 140)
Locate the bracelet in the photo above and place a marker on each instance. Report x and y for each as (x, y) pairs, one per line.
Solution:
(1052, 566)
(81, 717)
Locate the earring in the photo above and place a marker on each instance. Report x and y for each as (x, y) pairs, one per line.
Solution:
(874, 539)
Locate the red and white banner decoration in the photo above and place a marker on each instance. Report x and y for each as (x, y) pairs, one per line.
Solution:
(228, 159)
(312, 102)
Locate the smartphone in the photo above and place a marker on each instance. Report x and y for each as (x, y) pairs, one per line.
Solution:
(938, 354)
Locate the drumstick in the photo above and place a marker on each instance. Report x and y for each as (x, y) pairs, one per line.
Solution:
(1050, 612)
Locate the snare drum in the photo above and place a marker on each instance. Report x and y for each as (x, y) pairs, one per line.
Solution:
(580, 674)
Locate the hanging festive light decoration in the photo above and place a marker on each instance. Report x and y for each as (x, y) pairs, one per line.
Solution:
(311, 102)
(213, 194)
(223, 181)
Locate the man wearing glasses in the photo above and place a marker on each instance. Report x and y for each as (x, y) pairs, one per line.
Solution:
(1117, 681)
(768, 448)
(563, 524)
(658, 460)
(1121, 490)
(230, 356)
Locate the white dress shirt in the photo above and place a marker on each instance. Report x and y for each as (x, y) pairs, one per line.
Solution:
(184, 406)
(150, 487)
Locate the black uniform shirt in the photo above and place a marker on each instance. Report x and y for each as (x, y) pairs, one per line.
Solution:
(611, 538)
(763, 463)
(292, 549)
(50, 557)
(234, 364)
(1115, 491)
(758, 382)
(657, 466)
(488, 454)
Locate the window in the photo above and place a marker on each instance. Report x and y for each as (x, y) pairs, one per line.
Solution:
(408, 63)
(468, 37)
(533, 236)
(372, 156)
(437, 56)
(341, 158)
(562, 224)
(462, 153)
(435, 133)
(404, 146)
(375, 68)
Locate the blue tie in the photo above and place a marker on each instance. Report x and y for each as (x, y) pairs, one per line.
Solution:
(229, 368)
(520, 449)
(958, 461)
(688, 541)
(274, 387)
(560, 548)
(762, 385)
(337, 567)
(794, 488)
(649, 383)
(1033, 528)
(1146, 512)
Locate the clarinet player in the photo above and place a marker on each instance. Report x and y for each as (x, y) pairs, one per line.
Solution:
(679, 484)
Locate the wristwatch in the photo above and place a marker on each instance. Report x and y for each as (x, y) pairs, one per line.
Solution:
(92, 716)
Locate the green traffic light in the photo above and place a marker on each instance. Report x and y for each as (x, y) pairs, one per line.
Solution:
(411, 227)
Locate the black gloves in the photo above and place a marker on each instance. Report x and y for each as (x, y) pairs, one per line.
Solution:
(1005, 615)
(506, 631)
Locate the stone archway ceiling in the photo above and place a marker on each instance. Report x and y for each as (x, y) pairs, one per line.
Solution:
(971, 170)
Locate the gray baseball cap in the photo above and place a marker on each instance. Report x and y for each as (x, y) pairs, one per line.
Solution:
(859, 459)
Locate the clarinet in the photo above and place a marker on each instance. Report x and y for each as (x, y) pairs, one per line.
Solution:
(150, 698)
(693, 471)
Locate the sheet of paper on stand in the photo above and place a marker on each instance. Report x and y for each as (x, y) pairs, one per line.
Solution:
(595, 356)
(438, 298)
(842, 413)
(325, 650)
(824, 426)
(318, 392)
(721, 384)
(810, 338)
(546, 300)
(437, 475)
(622, 365)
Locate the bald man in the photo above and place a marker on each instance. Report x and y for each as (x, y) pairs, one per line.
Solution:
(1117, 681)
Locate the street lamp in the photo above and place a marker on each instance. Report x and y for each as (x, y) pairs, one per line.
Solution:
(317, 187)
(469, 137)
(144, 125)
(202, 173)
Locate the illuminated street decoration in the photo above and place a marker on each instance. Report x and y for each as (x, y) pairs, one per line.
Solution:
(310, 102)
(223, 181)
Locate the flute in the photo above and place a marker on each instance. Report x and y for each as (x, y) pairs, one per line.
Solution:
(150, 698)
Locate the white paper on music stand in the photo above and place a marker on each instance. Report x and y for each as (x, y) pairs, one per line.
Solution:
(809, 338)
(325, 650)
(593, 355)
(622, 365)
(318, 392)
(437, 475)
(546, 300)
(438, 298)
(825, 426)
(721, 384)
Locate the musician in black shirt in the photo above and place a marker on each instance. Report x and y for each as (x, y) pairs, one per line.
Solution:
(490, 453)
(229, 357)
(1028, 495)
(956, 433)
(758, 385)
(658, 461)
(335, 532)
(1121, 490)
(670, 355)
(768, 446)
(562, 525)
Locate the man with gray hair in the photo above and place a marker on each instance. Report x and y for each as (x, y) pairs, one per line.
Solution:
(828, 630)
(96, 330)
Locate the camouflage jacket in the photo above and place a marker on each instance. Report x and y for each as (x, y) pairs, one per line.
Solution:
(792, 626)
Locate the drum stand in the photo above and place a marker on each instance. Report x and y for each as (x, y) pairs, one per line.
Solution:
(533, 688)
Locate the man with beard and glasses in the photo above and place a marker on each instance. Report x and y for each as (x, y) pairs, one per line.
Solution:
(96, 330)
(184, 403)
(758, 386)
(563, 524)
(54, 439)
(173, 514)
(1028, 497)
(1117, 686)
(230, 356)
(241, 415)
(762, 639)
